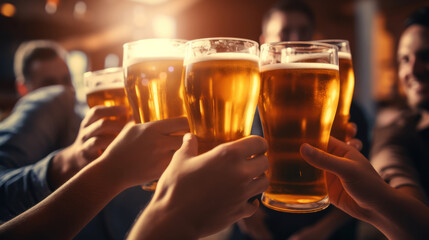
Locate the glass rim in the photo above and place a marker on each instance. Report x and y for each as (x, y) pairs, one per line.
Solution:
(179, 40)
(334, 40)
(222, 38)
(309, 43)
(103, 71)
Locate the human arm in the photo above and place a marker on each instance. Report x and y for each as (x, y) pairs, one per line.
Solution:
(199, 195)
(396, 151)
(356, 188)
(41, 123)
(130, 160)
(334, 218)
(97, 130)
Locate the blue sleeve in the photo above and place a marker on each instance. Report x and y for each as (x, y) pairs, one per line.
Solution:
(41, 123)
(21, 188)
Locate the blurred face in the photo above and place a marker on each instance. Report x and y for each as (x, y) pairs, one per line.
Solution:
(48, 72)
(290, 26)
(413, 60)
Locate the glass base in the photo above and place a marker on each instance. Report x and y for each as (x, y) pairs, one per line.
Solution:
(295, 207)
(151, 186)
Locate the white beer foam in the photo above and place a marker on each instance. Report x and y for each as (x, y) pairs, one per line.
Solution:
(287, 57)
(152, 59)
(223, 56)
(300, 65)
(103, 79)
(344, 55)
(104, 87)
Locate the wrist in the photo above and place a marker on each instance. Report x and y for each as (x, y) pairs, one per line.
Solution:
(166, 222)
(59, 169)
(111, 176)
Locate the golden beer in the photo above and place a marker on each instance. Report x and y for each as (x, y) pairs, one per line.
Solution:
(107, 97)
(347, 82)
(221, 93)
(154, 88)
(297, 105)
(106, 88)
(153, 77)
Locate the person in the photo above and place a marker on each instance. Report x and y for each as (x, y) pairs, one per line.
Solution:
(190, 200)
(40, 63)
(399, 152)
(44, 142)
(355, 187)
(293, 20)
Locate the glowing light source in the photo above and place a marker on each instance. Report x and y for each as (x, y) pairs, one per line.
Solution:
(151, 2)
(8, 10)
(78, 64)
(111, 60)
(139, 16)
(164, 26)
(51, 6)
(79, 9)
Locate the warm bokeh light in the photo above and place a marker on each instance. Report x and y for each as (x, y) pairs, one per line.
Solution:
(151, 2)
(8, 10)
(78, 64)
(51, 6)
(79, 9)
(139, 16)
(111, 60)
(164, 26)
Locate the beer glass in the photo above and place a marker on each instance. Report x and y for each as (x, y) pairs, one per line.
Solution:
(105, 87)
(299, 97)
(347, 83)
(221, 89)
(153, 73)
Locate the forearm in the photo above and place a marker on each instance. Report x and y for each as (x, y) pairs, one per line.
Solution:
(157, 221)
(401, 217)
(66, 211)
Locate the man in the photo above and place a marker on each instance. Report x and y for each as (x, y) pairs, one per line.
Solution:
(38, 64)
(294, 21)
(41, 142)
(400, 152)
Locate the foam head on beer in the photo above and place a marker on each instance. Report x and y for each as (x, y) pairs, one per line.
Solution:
(153, 71)
(105, 87)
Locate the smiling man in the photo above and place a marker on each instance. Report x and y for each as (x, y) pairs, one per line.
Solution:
(400, 151)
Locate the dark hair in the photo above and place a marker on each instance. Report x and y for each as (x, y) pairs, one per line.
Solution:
(290, 6)
(419, 17)
(38, 54)
(34, 50)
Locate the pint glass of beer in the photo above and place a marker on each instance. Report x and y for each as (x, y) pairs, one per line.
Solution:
(299, 97)
(347, 83)
(106, 87)
(221, 89)
(153, 74)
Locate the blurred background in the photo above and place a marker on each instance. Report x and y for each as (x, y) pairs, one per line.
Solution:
(93, 31)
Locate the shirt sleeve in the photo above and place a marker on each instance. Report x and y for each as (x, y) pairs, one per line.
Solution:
(41, 123)
(21, 188)
(393, 149)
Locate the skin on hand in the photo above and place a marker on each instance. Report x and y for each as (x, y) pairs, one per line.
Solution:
(353, 184)
(255, 227)
(355, 187)
(351, 132)
(141, 152)
(198, 195)
(97, 130)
